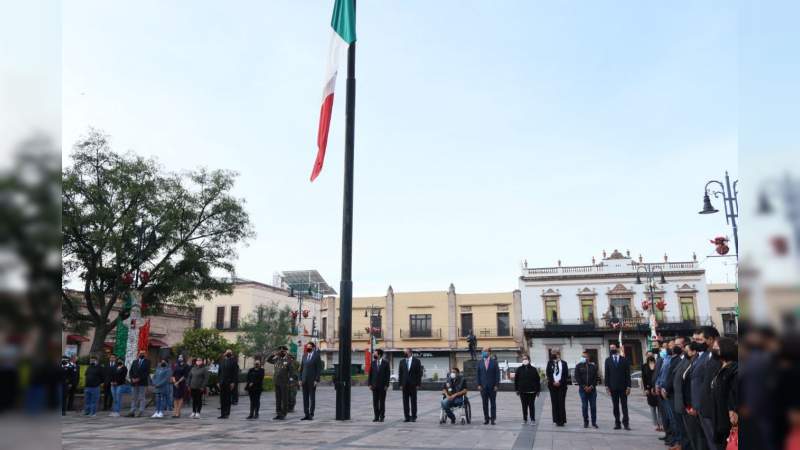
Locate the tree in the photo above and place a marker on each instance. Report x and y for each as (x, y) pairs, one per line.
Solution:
(124, 218)
(263, 331)
(204, 343)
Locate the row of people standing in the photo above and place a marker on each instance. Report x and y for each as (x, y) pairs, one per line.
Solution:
(692, 388)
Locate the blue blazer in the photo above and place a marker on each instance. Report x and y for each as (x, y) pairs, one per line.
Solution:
(488, 378)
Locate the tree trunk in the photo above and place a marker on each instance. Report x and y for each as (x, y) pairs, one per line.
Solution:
(100, 333)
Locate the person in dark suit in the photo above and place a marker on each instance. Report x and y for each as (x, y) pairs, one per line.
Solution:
(310, 370)
(488, 379)
(139, 374)
(693, 383)
(709, 336)
(675, 395)
(410, 377)
(586, 378)
(378, 380)
(108, 374)
(618, 384)
(557, 381)
(527, 384)
(228, 374)
(254, 388)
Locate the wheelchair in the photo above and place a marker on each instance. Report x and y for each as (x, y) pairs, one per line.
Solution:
(462, 412)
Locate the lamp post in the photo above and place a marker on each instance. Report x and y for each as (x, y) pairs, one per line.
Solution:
(651, 273)
(730, 202)
(372, 311)
(786, 189)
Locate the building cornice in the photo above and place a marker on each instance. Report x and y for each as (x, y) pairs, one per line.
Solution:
(608, 276)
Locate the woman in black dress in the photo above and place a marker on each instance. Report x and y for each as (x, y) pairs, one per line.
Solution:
(652, 398)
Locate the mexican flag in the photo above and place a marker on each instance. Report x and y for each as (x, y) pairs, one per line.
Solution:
(343, 24)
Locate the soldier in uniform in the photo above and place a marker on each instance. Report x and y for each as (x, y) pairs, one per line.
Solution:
(283, 373)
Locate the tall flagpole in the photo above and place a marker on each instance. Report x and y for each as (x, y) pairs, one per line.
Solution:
(346, 286)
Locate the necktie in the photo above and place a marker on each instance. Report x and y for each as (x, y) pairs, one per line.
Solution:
(486, 363)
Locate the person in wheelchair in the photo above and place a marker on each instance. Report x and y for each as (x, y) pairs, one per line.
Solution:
(454, 392)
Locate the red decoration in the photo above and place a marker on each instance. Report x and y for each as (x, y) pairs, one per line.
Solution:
(721, 243)
(366, 329)
(661, 304)
(779, 245)
(127, 278)
(294, 314)
(144, 277)
(305, 313)
(645, 305)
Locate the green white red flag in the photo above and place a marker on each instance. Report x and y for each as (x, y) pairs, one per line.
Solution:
(343, 24)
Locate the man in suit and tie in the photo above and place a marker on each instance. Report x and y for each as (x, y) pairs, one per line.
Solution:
(488, 379)
(139, 375)
(695, 378)
(618, 384)
(557, 381)
(410, 371)
(310, 370)
(378, 380)
(709, 335)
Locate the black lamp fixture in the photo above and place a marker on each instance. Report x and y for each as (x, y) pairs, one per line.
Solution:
(708, 208)
(730, 200)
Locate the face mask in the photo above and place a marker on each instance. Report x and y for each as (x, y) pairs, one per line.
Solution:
(282, 353)
(583, 360)
(613, 351)
(308, 349)
(141, 356)
(163, 364)
(526, 363)
(452, 374)
(228, 355)
(703, 347)
(485, 354)
(94, 363)
(677, 350)
(663, 353)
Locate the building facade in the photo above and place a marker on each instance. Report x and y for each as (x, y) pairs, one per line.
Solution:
(576, 308)
(723, 300)
(435, 325)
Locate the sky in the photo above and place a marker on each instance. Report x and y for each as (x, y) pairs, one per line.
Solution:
(487, 133)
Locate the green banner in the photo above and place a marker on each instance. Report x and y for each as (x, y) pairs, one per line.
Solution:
(121, 341)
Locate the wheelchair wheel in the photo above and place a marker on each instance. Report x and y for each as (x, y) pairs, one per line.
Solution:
(468, 411)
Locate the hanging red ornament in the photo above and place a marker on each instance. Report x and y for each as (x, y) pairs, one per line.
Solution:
(127, 278)
(144, 277)
(721, 245)
(645, 305)
(305, 313)
(661, 304)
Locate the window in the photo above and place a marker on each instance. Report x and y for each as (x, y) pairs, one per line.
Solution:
(621, 308)
(466, 324)
(729, 324)
(420, 325)
(324, 331)
(234, 317)
(375, 322)
(551, 310)
(659, 313)
(198, 317)
(220, 317)
(503, 328)
(687, 309)
(587, 310)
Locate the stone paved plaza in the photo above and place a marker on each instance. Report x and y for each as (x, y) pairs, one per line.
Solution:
(79, 432)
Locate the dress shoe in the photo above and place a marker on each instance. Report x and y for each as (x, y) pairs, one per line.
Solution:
(278, 417)
(492, 421)
(306, 418)
(374, 420)
(617, 427)
(406, 420)
(249, 417)
(381, 419)
(594, 425)
(413, 419)
(222, 417)
(627, 427)
(486, 422)
(585, 424)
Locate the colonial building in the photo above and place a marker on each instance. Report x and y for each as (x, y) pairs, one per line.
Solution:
(723, 300)
(433, 324)
(576, 308)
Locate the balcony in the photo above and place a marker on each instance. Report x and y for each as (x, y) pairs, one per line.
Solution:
(421, 334)
(481, 333)
(567, 325)
(544, 272)
(362, 335)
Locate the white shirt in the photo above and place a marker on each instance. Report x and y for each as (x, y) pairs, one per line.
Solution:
(408, 363)
(557, 371)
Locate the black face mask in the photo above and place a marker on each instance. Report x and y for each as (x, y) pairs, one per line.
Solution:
(163, 364)
(703, 347)
(677, 351)
(613, 351)
(282, 353)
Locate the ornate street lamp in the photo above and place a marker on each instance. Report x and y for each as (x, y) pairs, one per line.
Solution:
(730, 202)
(651, 273)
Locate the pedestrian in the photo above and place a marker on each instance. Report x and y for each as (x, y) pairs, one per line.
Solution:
(310, 371)
(228, 372)
(139, 374)
(180, 389)
(67, 378)
(618, 384)
(410, 377)
(693, 383)
(454, 391)
(661, 385)
(118, 386)
(198, 380)
(254, 387)
(586, 379)
(378, 380)
(558, 379)
(91, 390)
(675, 395)
(488, 379)
(647, 389)
(161, 387)
(283, 375)
(109, 367)
(709, 338)
(527, 384)
(76, 381)
(725, 391)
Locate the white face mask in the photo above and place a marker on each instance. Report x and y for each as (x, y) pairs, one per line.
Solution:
(525, 362)
(452, 374)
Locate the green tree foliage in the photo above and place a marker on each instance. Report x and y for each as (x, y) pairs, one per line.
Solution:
(263, 331)
(204, 343)
(124, 214)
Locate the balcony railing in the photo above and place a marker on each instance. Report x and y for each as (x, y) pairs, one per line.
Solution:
(628, 323)
(362, 335)
(487, 332)
(421, 334)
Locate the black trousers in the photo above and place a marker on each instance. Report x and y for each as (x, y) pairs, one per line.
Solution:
(410, 400)
(309, 398)
(197, 400)
(281, 400)
(235, 394)
(695, 432)
(225, 394)
(528, 402)
(618, 397)
(255, 401)
(64, 396)
(489, 396)
(71, 398)
(107, 398)
(379, 402)
(558, 398)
